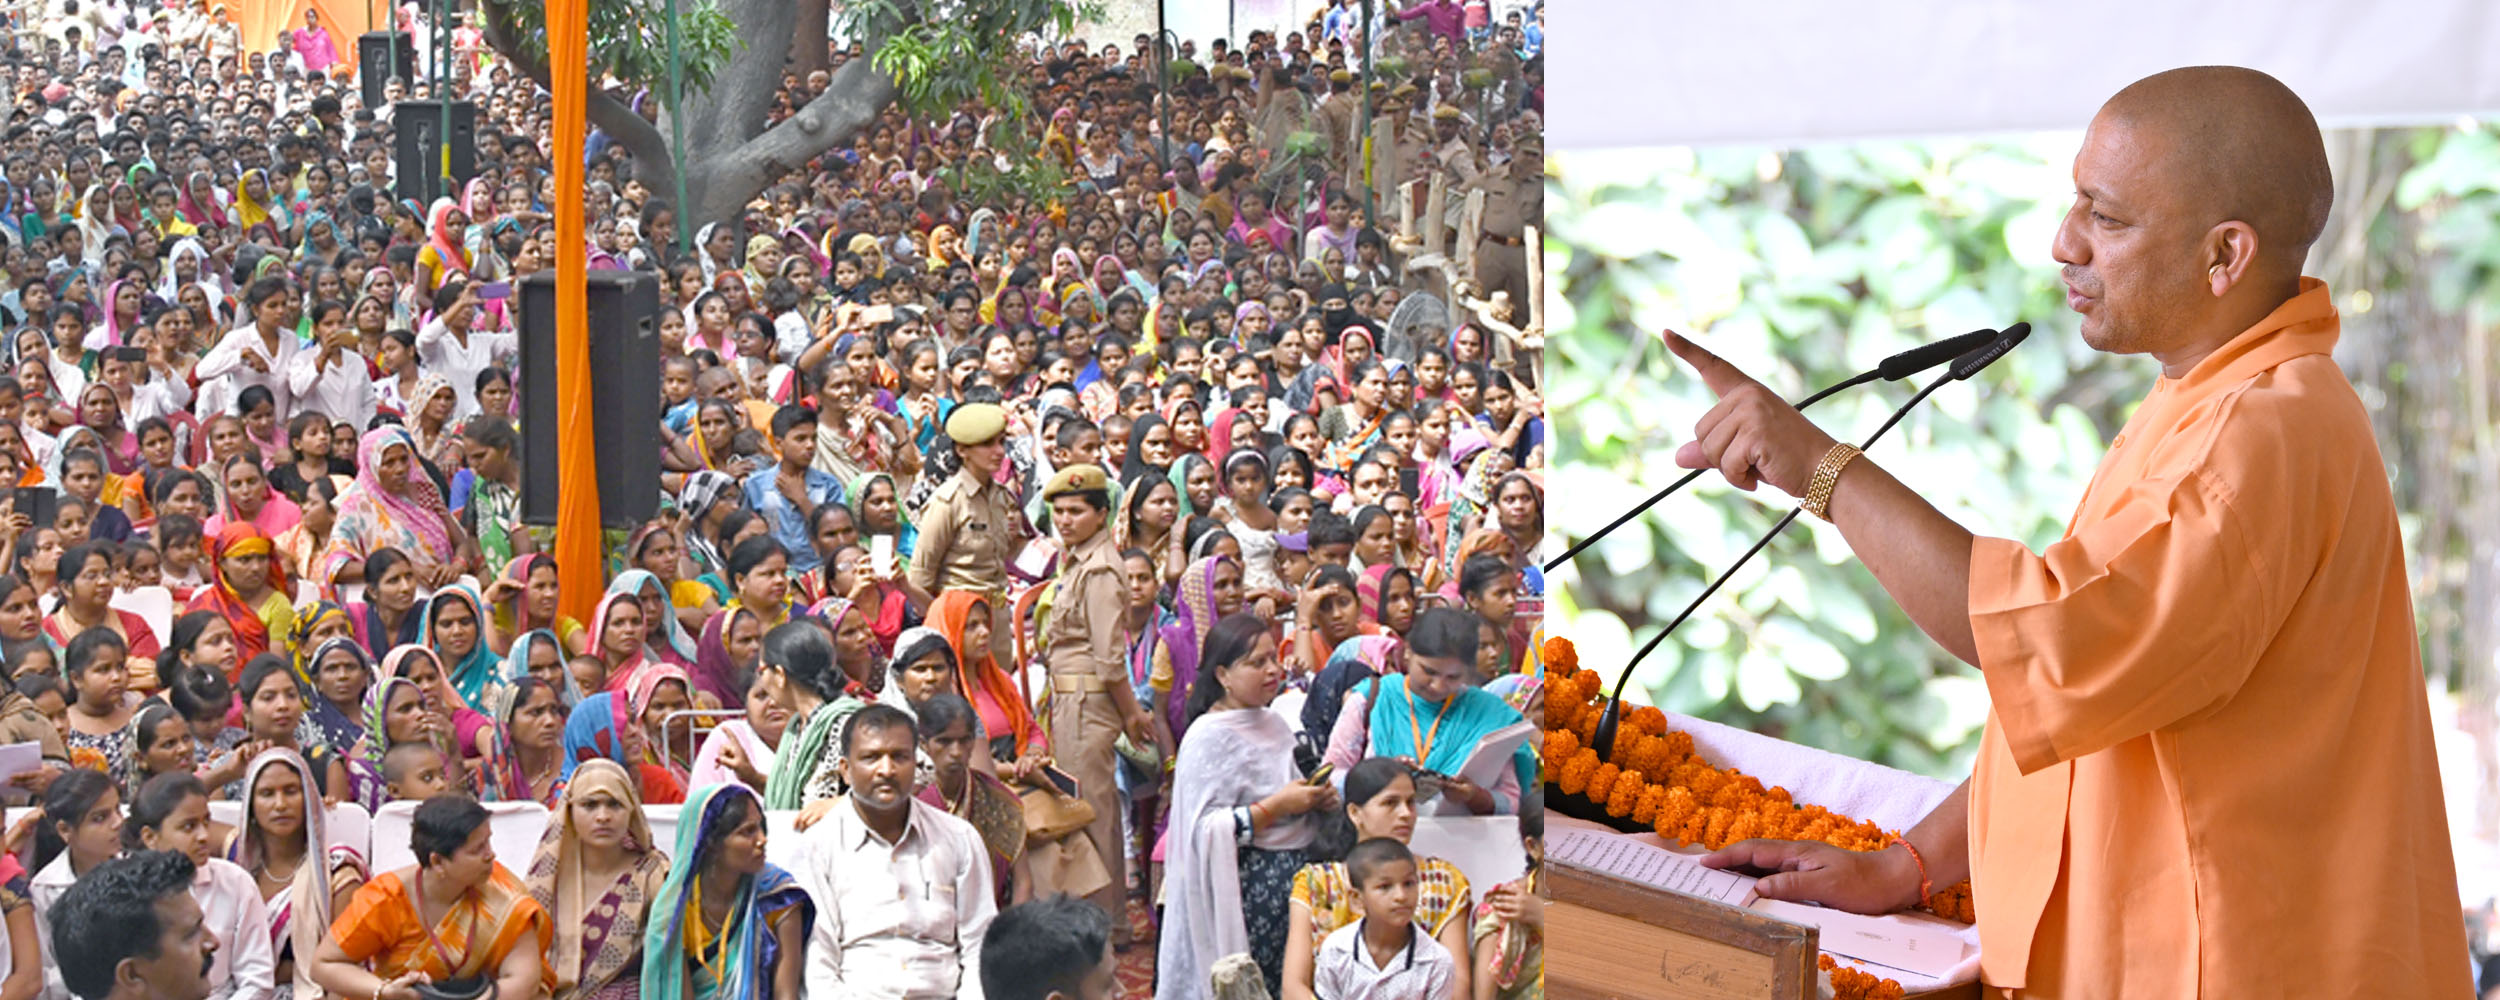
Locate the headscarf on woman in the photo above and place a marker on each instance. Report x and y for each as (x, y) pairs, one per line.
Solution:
(739, 967)
(679, 648)
(372, 517)
(638, 700)
(598, 929)
(454, 258)
(978, 677)
(253, 627)
(621, 674)
(512, 617)
(1194, 615)
(1187, 463)
(516, 663)
(596, 729)
(248, 211)
(1133, 464)
(212, 212)
(475, 674)
(339, 730)
(299, 918)
(714, 673)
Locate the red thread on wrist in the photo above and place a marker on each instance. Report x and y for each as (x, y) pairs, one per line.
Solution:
(1926, 887)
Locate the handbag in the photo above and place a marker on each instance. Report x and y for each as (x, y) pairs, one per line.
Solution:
(1050, 814)
(477, 987)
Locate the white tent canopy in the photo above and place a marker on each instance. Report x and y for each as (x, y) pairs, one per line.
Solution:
(1708, 72)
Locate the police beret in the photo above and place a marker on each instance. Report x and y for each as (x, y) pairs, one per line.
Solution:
(1086, 478)
(976, 423)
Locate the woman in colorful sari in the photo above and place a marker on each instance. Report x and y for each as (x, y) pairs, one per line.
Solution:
(445, 253)
(948, 741)
(256, 205)
(1209, 590)
(457, 628)
(1352, 429)
(394, 504)
(303, 886)
(464, 734)
(247, 497)
(490, 927)
(525, 597)
(727, 654)
(343, 677)
(603, 727)
(528, 762)
(616, 639)
(388, 616)
(665, 638)
(597, 871)
(1379, 800)
(247, 588)
(796, 666)
(727, 925)
(658, 693)
(1016, 741)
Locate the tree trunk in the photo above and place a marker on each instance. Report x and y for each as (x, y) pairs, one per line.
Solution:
(807, 45)
(730, 157)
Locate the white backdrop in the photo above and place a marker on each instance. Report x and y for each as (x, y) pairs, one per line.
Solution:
(1798, 71)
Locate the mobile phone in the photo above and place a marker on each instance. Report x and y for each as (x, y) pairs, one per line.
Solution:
(1061, 780)
(877, 315)
(495, 290)
(129, 355)
(38, 503)
(1321, 775)
(1409, 480)
(881, 555)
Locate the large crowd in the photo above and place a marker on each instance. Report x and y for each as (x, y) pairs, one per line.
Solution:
(1112, 572)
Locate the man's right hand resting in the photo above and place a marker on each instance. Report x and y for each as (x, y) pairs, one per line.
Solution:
(1804, 871)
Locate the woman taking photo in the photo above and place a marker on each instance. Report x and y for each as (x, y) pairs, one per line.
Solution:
(301, 876)
(597, 872)
(455, 915)
(727, 925)
(1240, 823)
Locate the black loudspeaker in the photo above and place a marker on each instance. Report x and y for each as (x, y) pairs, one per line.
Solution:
(417, 130)
(374, 65)
(624, 396)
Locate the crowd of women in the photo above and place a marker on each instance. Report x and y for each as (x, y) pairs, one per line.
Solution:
(1189, 532)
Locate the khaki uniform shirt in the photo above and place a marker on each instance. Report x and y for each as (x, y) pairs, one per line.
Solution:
(968, 532)
(1085, 636)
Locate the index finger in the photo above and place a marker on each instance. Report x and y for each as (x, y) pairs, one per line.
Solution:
(1721, 377)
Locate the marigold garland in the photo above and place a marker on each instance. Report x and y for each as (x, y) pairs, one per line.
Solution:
(1652, 776)
(1854, 984)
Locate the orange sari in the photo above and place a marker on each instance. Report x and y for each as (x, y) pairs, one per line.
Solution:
(382, 930)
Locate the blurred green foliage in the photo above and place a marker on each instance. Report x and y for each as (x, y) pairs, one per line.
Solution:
(1805, 266)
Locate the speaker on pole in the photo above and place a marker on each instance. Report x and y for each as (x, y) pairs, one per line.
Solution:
(625, 395)
(374, 65)
(417, 138)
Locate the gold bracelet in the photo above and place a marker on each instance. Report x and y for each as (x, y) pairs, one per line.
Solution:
(1818, 499)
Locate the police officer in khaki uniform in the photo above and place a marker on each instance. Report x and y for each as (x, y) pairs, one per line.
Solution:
(1083, 641)
(1336, 115)
(970, 528)
(1452, 149)
(1513, 197)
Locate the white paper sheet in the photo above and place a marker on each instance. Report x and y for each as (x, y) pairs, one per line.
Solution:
(19, 758)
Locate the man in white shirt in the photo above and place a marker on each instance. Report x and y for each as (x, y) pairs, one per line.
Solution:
(252, 355)
(331, 379)
(446, 345)
(902, 888)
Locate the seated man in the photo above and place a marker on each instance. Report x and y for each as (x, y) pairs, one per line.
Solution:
(902, 888)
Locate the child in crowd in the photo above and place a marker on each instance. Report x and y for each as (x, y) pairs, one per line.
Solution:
(414, 772)
(1383, 956)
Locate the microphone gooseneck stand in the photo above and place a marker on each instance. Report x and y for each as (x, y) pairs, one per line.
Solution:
(1611, 718)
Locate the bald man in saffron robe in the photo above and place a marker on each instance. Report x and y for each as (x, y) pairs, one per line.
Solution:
(2208, 766)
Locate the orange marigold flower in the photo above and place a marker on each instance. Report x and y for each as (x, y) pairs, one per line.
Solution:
(1588, 684)
(1561, 657)
(1574, 776)
(1560, 744)
(1561, 712)
(1626, 794)
(1645, 812)
(1650, 719)
(1714, 835)
(1602, 781)
(1748, 825)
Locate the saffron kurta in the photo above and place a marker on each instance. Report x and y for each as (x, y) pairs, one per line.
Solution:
(2208, 768)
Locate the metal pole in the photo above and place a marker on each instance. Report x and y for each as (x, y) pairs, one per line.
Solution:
(1163, 82)
(677, 126)
(442, 93)
(1364, 147)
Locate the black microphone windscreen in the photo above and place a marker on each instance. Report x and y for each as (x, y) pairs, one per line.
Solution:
(1926, 356)
(1971, 363)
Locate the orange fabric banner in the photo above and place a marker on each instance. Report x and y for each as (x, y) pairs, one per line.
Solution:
(580, 569)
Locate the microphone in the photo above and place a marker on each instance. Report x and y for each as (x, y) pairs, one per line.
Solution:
(1603, 738)
(1970, 364)
(1896, 367)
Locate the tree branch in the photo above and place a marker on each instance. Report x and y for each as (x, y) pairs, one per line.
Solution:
(621, 123)
(858, 93)
(733, 109)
